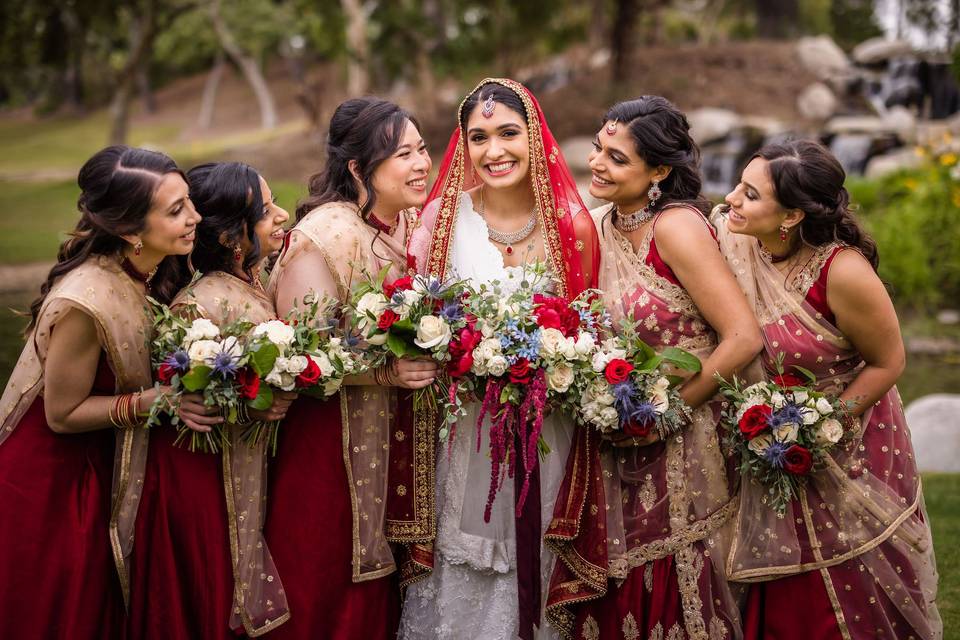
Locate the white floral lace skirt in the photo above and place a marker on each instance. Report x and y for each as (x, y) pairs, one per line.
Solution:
(472, 592)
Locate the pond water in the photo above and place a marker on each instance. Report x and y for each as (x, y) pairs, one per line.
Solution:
(924, 374)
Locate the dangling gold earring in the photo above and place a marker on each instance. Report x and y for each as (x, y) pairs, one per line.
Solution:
(138, 247)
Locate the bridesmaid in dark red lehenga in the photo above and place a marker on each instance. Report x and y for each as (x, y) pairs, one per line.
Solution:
(87, 342)
(329, 518)
(200, 568)
(852, 556)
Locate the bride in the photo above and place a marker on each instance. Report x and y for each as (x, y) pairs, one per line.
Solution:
(503, 200)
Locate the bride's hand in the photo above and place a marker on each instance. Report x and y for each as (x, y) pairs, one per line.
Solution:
(408, 373)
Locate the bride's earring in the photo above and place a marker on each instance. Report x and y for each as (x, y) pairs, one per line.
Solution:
(653, 194)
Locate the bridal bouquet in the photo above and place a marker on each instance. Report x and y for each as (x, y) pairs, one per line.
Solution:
(197, 356)
(418, 317)
(303, 353)
(530, 347)
(627, 390)
(782, 431)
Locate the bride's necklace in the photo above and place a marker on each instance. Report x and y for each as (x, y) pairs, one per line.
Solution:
(631, 221)
(509, 239)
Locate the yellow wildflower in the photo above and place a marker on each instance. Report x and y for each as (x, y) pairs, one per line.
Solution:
(948, 159)
(911, 183)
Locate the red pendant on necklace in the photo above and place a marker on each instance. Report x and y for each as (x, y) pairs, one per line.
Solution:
(509, 250)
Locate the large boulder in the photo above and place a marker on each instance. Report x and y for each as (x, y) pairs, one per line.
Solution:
(902, 122)
(709, 124)
(897, 160)
(876, 50)
(817, 102)
(857, 124)
(821, 56)
(575, 152)
(934, 422)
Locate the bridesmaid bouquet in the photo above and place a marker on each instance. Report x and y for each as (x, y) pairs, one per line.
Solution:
(197, 356)
(782, 432)
(626, 389)
(302, 353)
(529, 348)
(417, 317)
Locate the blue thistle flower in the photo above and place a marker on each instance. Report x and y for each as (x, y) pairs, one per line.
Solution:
(178, 360)
(775, 454)
(435, 288)
(644, 413)
(789, 414)
(225, 364)
(625, 398)
(452, 312)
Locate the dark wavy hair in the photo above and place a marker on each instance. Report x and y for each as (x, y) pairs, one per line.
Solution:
(499, 93)
(117, 186)
(661, 136)
(806, 176)
(227, 196)
(368, 130)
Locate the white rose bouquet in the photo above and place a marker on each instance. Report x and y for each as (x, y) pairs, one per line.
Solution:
(306, 353)
(782, 430)
(628, 389)
(197, 356)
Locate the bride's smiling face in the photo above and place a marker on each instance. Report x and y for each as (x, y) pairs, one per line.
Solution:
(498, 146)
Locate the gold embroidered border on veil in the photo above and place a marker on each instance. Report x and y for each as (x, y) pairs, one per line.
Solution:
(870, 493)
(100, 288)
(349, 247)
(259, 603)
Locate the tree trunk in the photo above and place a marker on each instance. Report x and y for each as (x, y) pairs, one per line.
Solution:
(146, 89)
(142, 31)
(598, 30)
(358, 74)
(209, 99)
(624, 27)
(247, 65)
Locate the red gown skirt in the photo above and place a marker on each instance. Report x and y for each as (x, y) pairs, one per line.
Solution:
(57, 574)
(309, 530)
(181, 575)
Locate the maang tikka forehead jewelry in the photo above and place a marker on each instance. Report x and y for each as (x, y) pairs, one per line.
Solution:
(486, 110)
(612, 128)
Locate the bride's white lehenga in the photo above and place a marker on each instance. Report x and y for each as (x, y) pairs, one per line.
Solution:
(472, 592)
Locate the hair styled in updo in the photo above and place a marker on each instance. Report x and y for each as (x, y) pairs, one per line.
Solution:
(368, 130)
(661, 137)
(499, 93)
(117, 185)
(806, 176)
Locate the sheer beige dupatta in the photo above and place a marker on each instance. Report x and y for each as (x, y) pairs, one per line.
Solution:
(101, 289)
(335, 233)
(259, 602)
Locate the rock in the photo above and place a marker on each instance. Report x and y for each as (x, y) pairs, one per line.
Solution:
(877, 50)
(575, 152)
(821, 56)
(817, 102)
(948, 316)
(901, 121)
(892, 162)
(709, 124)
(599, 59)
(934, 423)
(857, 124)
(931, 345)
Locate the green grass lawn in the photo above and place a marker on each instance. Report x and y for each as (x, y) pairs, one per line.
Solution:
(942, 494)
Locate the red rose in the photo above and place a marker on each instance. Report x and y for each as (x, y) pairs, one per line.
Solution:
(617, 370)
(387, 318)
(755, 421)
(249, 383)
(555, 313)
(309, 376)
(165, 373)
(461, 351)
(797, 460)
(400, 284)
(787, 380)
(521, 372)
(638, 429)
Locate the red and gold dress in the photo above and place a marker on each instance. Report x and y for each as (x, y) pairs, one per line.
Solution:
(853, 557)
(642, 530)
(200, 568)
(59, 579)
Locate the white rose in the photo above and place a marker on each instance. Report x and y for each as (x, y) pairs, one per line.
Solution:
(786, 433)
(201, 329)
(585, 344)
(279, 378)
(757, 390)
(372, 303)
(830, 431)
(777, 400)
(432, 331)
(550, 340)
(277, 332)
(487, 349)
(824, 406)
(377, 340)
(800, 396)
(487, 328)
(232, 346)
(296, 364)
(760, 444)
(599, 361)
(810, 416)
(658, 395)
(609, 416)
(202, 351)
(497, 365)
(323, 362)
(568, 349)
(560, 377)
(407, 299)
